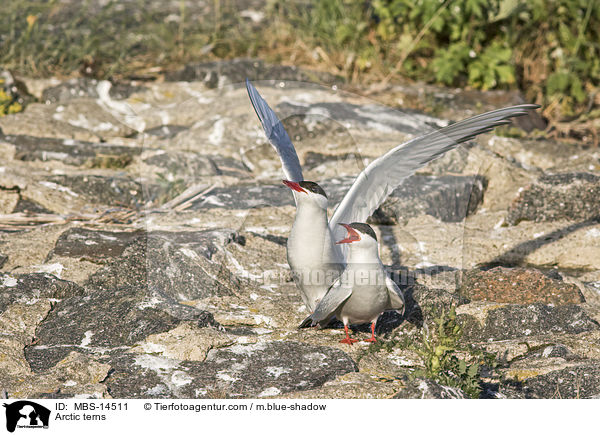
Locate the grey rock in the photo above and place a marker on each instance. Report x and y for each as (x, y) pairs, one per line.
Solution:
(119, 191)
(180, 266)
(173, 265)
(188, 165)
(423, 388)
(514, 321)
(85, 87)
(217, 74)
(434, 299)
(166, 131)
(26, 288)
(447, 198)
(248, 370)
(460, 103)
(140, 292)
(131, 377)
(579, 382)
(28, 206)
(3, 259)
(519, 286)
(313, 159)
(553, 351)
(571, 196)
(452, 162)
(303, 126)
(133, 296)
(70, 152)
(334, 115)
(422, 301)
(245, 197)
(96, 246)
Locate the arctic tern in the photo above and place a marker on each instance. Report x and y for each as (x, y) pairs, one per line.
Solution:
(311, 251)
(363, 290)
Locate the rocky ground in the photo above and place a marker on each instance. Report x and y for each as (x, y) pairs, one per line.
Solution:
(142, 245)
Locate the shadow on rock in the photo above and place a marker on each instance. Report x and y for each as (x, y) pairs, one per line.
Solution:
(516, 255)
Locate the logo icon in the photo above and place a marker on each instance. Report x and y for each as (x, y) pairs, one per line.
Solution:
(26, 414)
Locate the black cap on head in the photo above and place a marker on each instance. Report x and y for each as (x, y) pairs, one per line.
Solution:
(364, 228)
(313, 187)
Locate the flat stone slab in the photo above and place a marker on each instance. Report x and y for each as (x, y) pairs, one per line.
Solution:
(29, 206)
(245, 197)
(448, 198)
(188, 307)
(166, 131)
(180, 265)
(361, 116)
(188, 165)
(85, 87)
(118, 191)
(119, 308)
(93, 245)
(240, 371)
(27, 288)
(518, 286)
(423, 388)
(576, 382)
(171, 266)
(573, 196)
(137, 293)
(513, 321)
(70, 152)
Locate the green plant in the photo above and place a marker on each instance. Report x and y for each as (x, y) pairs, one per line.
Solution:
(338, 32)
(445, 360)
(108, 161)
(558, 46)
(550, 48)
(111, 38)
(168, 187)
(8, 104)
(460, 41)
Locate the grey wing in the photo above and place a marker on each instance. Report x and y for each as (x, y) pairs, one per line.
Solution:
(375, 183)
(276, 134)
(396, 296)
(336, 295)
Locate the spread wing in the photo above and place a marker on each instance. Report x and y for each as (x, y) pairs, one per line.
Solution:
(396, 296)
(276, 134)
(374, 184)
(325, 309)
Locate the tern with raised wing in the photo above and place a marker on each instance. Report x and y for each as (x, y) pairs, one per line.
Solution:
(311, 250)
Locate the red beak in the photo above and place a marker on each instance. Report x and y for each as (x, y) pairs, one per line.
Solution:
(353, 236)
(294, 186)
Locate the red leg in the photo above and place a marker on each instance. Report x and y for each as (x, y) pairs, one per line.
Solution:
(348, 340)
(372, 339)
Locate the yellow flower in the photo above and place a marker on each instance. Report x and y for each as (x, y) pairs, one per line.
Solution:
(31, 19)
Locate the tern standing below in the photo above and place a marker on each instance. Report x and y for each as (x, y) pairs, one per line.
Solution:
(311, 250)
(364, 290)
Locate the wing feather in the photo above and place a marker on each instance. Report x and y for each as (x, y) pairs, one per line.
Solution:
(325, 309)
(276, 135)
(397, 301)
(378, 180)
